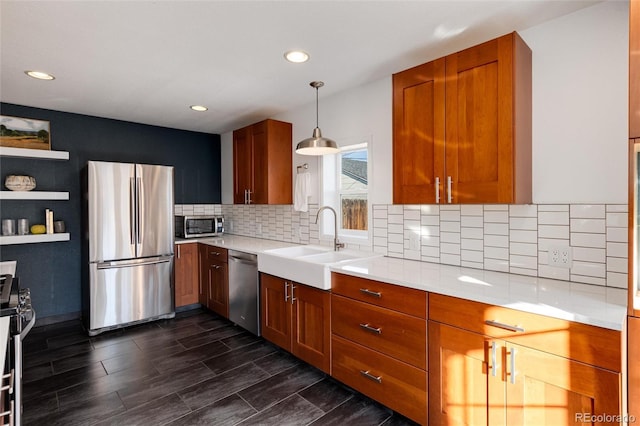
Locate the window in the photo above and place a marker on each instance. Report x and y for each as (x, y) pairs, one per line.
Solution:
(353, 189)
(345, 188)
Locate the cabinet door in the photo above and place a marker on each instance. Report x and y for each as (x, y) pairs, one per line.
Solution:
(418, 133)
(218, 289)
(275, 310)
(552, 390)
(260, 141)
(311, 326)
(203, 264)
(242, 164)
(186, 274)
(480, 121)
(459, 378)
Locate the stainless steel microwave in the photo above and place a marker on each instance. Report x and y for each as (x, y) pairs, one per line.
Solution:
(199, 226)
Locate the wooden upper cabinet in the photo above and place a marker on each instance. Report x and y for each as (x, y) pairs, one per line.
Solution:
(262, 163)
(462, 126)
(242, 164)
(418, 133)
(634, 69)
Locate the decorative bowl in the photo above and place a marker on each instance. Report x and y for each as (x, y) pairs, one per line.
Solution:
(20, 182)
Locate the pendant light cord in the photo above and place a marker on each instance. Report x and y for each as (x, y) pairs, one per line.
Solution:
(317, 124)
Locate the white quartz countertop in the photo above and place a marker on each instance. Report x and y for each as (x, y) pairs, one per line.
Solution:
(238, 242)
(581, 303)
(587, 304)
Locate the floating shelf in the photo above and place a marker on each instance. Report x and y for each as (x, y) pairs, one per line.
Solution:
(33, 195)
(33, 153)
(6, 240)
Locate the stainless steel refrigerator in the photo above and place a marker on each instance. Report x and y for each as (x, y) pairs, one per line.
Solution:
(130, 236)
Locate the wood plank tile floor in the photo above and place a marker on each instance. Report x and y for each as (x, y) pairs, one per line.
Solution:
(196, 369)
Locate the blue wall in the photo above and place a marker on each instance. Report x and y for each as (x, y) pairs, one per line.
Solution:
(53, 271)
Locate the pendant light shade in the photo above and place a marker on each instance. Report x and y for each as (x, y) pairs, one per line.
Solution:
(316, 144)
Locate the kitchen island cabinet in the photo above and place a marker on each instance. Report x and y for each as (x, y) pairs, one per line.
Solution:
(462, 127)
(262, 163)
(214, 279)
(518, 368)
(296, 317)
(186, 274)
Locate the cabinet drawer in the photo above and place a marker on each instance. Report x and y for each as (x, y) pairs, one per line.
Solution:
(395, 384)
(402, 299)
(216, 253)
(393, 333)
(593, 345)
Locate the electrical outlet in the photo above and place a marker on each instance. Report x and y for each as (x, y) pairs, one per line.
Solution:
(258, 228)
(560, 256)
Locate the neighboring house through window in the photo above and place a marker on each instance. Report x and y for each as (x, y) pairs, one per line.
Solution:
(345, 188)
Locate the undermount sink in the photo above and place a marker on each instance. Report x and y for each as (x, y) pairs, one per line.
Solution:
(308, 264)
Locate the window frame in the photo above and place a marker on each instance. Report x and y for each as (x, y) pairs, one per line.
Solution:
(330, 190)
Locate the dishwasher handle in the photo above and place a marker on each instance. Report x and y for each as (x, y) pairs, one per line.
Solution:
(244, 258)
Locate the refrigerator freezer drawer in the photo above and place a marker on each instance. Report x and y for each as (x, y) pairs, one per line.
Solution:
(121, 293)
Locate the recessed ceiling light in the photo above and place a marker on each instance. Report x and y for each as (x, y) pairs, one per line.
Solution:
(40, 75)
(296, 56)
(198, 108)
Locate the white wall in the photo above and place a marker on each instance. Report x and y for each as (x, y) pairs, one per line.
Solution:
(580, 105)
(580, 98)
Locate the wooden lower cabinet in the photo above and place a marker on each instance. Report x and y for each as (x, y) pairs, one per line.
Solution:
(498, 366)
(214, 279)
(379, 342)
(187, 274)
(398, 385)
(297, 318)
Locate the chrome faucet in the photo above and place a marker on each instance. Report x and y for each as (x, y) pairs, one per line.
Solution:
(337, 245)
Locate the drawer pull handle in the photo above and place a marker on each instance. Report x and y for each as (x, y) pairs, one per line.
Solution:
(370, 376)
(370, 293)
(514, 328)
(215, 253)
(371, 329)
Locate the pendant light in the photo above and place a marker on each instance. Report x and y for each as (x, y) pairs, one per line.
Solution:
(316, 144)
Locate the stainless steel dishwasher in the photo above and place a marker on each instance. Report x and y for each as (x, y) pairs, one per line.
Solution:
(243, 291)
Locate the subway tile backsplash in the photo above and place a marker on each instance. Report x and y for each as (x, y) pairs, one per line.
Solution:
(496, 237)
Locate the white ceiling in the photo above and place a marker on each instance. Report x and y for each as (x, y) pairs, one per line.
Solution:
(147, 61)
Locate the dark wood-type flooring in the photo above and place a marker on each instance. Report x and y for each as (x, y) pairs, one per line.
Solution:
(196, 369)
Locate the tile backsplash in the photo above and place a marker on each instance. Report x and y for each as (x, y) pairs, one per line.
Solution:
(497, 237)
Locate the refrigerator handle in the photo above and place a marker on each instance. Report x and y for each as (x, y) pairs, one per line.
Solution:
(132, 211)
(138, 212)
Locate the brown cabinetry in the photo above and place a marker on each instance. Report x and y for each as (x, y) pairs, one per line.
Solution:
(262, 163)
(462, 127)
(214, 279)
(186, 274)
(379, 342)
(544, 378)
(296, 317)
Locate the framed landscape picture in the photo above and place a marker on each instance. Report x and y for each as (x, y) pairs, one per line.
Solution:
(16, 132)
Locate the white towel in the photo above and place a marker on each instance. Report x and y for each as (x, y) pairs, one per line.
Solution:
(301, 193)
